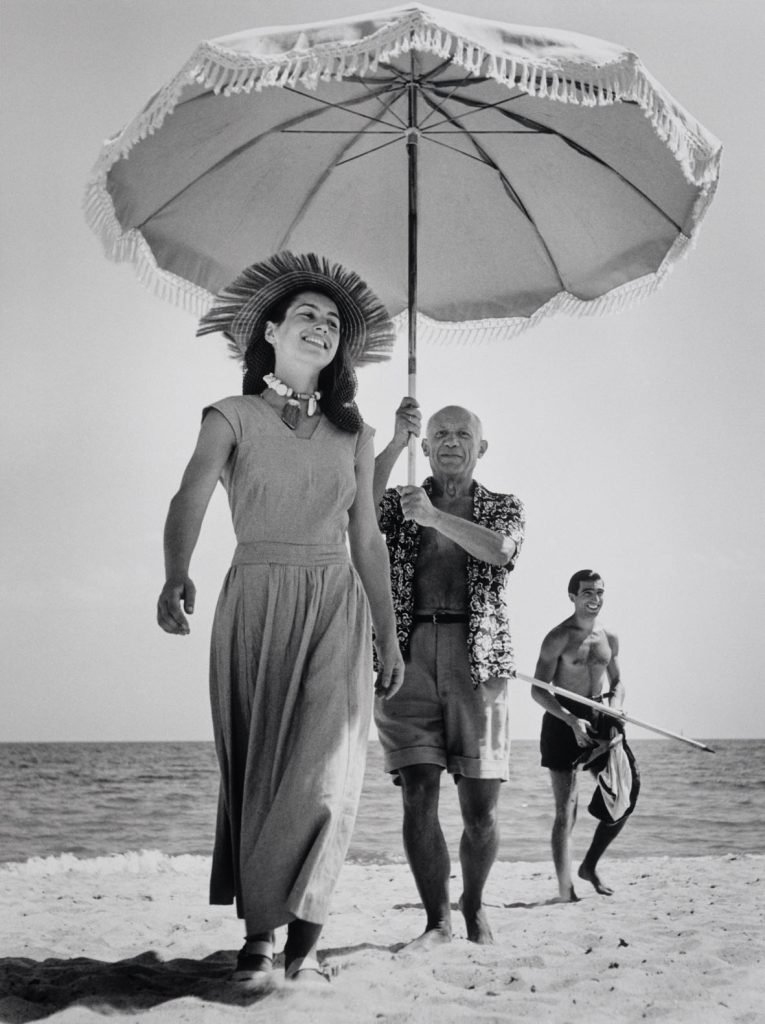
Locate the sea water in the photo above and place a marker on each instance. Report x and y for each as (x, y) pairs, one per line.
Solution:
(95, 799)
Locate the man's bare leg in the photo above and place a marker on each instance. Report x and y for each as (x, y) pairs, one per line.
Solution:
(565, 792)
(478, 851)
(426, 851)
(601, 840)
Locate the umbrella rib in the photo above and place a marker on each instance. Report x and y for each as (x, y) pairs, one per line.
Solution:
(362, 81)
(374, 149)
(392, 131)
(372, 94)
(477, 110)
(484, 158)
(483, 131)
(311, 193)
(407, 79)
(511, 194)
(460, 152)
(433, 109)
(404, 80)
(297, 119)
(434, 71)
(397, 131)
(538, 128)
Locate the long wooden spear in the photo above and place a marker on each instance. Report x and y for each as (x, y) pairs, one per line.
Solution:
(558, 691)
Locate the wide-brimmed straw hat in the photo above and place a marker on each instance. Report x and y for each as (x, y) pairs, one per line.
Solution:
(366, 329)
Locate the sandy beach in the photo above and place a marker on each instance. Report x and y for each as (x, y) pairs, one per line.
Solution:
(682, 939)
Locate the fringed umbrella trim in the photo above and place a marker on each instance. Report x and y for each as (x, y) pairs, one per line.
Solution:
(198, 301)
(228, 71)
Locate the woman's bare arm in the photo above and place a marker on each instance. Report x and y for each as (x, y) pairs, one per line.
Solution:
(184, 520)
(370, 557)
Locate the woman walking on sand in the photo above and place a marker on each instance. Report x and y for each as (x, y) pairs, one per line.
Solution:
(290, 666)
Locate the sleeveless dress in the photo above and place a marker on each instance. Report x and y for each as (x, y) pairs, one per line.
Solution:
(290, 669)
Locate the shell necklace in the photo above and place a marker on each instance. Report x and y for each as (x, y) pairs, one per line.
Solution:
(291, 409)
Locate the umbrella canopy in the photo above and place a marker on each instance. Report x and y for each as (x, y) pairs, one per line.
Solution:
(483, 175)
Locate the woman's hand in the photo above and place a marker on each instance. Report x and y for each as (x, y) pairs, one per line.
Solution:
(391, 675)
(169, 614)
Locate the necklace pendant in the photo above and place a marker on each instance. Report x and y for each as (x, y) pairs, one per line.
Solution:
(291, 409)
(273, 382)
(291, 413)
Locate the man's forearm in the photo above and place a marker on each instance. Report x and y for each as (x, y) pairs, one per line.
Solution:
(384, 464)
(550, 703)
(479, 541)
(616, 695)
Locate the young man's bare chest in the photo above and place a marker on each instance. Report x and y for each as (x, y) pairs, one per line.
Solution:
(587, 649)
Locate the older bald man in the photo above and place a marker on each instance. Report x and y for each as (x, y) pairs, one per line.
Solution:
(452, 545)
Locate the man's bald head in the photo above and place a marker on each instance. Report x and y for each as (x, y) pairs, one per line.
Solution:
(450, 413)
(454, 443)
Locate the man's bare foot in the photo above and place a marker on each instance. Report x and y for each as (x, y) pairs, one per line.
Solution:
(477, 924)
(590, 875)
(566, 896)
(428, 940)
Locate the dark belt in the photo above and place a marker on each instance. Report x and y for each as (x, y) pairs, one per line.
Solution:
(442, 617)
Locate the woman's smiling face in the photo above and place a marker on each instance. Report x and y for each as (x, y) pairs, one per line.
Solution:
(309, 332)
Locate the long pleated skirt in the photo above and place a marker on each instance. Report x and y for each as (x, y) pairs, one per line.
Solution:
(291, 693)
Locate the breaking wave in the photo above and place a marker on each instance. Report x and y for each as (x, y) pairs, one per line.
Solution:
(133, 862)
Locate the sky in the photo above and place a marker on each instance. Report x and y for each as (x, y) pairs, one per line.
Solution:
(635, 439)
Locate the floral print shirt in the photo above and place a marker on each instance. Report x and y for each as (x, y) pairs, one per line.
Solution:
(490, 647)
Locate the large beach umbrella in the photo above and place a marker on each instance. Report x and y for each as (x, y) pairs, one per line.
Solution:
(479, 175)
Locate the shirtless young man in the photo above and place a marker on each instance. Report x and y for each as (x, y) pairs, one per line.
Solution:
(452, 544)
(579, 655)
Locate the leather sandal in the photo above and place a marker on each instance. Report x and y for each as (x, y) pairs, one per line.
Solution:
(256, 957)
(304, 967)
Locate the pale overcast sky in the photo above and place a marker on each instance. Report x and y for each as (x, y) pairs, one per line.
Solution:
(635, 440)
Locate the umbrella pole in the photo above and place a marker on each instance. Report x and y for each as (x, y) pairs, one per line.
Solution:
(412, 147)
(604, 709)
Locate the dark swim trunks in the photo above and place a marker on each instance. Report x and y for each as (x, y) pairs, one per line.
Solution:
(560, 752)
(557, 744)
